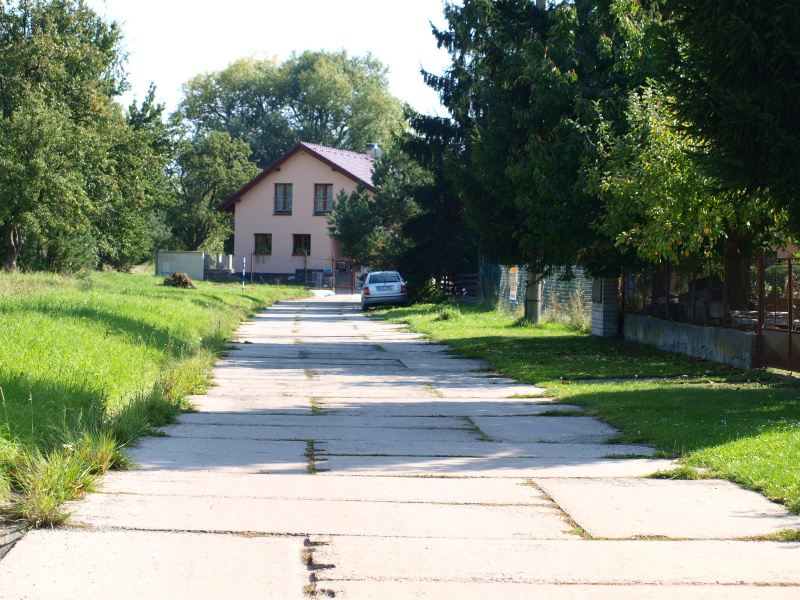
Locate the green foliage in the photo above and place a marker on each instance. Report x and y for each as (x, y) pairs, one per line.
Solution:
(526, 90)
(371, 227)
(658, 203)
(70, 161)
(447, 313)
(320, 97)
(732, 71)
(207, 170)
(59, 252)
(439, 240)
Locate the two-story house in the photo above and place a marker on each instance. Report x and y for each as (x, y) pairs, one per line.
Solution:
(281, 228)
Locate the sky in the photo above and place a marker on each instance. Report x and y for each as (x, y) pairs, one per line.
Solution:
(171, 41)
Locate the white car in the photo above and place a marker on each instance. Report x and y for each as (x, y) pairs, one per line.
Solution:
(383, 287)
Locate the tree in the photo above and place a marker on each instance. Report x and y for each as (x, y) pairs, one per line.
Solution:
(441, 242)
(526, 91)
(207, 171)
(370, 228)
(326, 98)
(128, 185)
(660, 204)
(73, 169)
(732, 74)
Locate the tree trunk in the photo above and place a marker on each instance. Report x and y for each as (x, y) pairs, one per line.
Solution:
(11, 236)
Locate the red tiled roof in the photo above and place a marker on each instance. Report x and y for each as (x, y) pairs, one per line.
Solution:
(354, 165)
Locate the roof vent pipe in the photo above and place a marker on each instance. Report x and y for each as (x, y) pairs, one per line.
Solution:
(374, 150)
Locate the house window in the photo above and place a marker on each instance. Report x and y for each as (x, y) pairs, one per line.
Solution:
(301, 244)
(263, 244)
(283, 198)
(323, 198)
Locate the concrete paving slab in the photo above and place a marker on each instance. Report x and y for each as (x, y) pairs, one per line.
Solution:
(225, 455)
(559, 562)
(335, 353)
(131, 565)
(620, 508)
(455, 407)
(271, 389)
(320, 420)
(439, 590)
(418, 348)
(323, 517)
(308, 487)
(452, 365)
(252, 404)
(548, 429)
(255, 377)
(485, 449)
(205, 433)
(491, 467)
(347, 365)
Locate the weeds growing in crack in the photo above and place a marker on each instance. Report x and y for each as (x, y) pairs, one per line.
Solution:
(784, 535)
(432, 390)
(311, 459)
(473, 428)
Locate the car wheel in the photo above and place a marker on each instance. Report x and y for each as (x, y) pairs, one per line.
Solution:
(364, 307)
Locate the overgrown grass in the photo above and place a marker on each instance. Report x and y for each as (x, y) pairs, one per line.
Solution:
(740, 425)
(90, 363)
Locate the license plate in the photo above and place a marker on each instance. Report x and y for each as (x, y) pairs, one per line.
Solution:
(384, 288)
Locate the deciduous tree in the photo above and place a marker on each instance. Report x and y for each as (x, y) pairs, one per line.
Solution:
(207, 171)
(733, 75)
(327, 98)
(73, 165)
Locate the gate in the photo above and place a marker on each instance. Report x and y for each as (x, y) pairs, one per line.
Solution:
(344, 276)
(778, 314)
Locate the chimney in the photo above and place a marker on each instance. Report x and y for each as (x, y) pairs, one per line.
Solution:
(374, 150)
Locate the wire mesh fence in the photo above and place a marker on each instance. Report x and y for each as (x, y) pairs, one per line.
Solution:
(506, 288)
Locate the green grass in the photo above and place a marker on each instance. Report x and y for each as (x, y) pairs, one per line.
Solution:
(739, 425)
(90, 363)
(548, 352)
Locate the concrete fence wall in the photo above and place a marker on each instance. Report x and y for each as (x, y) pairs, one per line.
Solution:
(728, 346)
(191, 263)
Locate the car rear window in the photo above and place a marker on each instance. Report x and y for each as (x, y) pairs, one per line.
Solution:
(385, 278)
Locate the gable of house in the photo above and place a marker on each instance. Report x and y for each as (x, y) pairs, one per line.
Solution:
(280, 216)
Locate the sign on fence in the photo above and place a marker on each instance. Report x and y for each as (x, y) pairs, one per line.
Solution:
(513, 281)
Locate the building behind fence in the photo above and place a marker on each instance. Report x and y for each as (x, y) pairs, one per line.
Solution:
(715, 292)
(754, 296)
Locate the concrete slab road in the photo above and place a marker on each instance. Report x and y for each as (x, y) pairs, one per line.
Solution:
(339, 456)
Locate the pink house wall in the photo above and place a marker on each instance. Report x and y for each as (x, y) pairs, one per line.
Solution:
(255, 214)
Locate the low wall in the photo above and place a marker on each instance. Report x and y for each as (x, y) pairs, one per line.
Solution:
(191, 263)
(728, 346)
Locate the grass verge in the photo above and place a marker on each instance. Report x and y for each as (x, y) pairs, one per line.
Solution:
(739, 425)
(90, 363)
